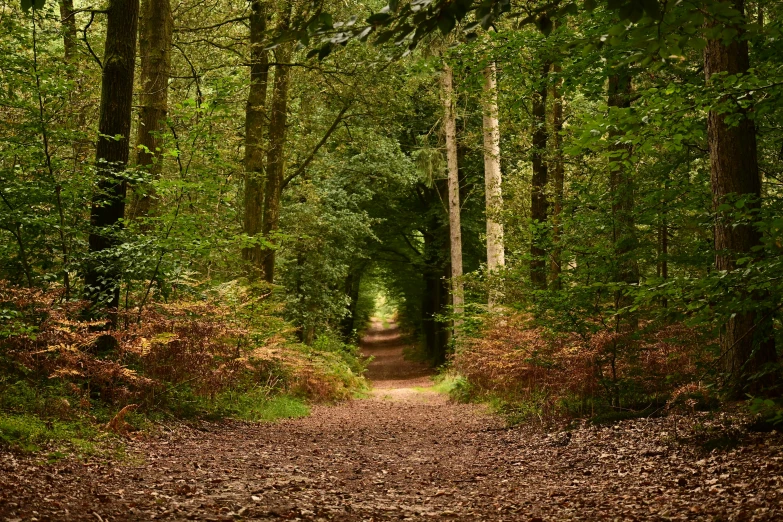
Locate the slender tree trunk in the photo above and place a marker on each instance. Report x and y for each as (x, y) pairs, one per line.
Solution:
(746, 340)
(539, 205)
(68, 20)
(624, 265)
(558, 181)
(81, 147)
(663, 235)
(155, 33)
(455, 231)
(621, 187)
(255, 123)
(352, 287)
(493, 181)
(103, 276)
(276, 155)
(429, 304)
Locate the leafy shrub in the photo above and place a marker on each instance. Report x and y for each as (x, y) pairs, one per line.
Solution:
(768, 411)
(552, 374)
(349, 353)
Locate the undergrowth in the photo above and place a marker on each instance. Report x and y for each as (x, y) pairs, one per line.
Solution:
(527, 373)
(65, 381)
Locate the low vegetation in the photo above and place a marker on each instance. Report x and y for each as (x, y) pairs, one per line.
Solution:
(65, 379)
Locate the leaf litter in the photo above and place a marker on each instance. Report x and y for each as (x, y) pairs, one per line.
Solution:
(408, 453)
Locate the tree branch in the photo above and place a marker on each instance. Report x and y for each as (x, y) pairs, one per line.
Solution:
(321, 143)
(213, 26)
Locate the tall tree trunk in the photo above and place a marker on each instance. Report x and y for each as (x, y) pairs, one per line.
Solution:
(255, 123)
(276, 155)
(538, 201)
(155, 33)
(746, 342)
(103, 276)
(430, 300)
(663, 236)
(624, 265)
(68, 20)
(492, 181)
(621, 186)
(352, 286)
(455, 231)
(558, 180)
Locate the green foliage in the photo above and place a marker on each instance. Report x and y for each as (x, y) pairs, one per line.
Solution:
(768, 410)
(455, 386)
(348, 353)
(37, 415)
(30, 433)
(363, 211)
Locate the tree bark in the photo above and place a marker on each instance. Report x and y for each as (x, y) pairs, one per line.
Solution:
(621, 188)
(155, 33)
(539, 205)
(492, 181)
(276, 154)
(255, 123)
(68, 20)
(103, 276)
(352, 286)
(746, 342)
(455, 232)
(558, 180)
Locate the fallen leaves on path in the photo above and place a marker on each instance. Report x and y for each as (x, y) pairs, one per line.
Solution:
(412, 455)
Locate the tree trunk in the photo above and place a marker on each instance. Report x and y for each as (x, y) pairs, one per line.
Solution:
(455, 232)
(538, 201)
(255, 123)
(621, 188)
(352, 286)
(155, 32)
(68, 20)
(663, 236)
(558, 180)
(492, 181)
(430, 300)
(746, 342)
(276, 155)
(103, 276)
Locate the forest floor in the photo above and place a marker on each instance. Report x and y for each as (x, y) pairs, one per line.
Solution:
(408, 453)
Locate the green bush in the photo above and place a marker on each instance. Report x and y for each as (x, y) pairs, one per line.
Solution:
(348, 353)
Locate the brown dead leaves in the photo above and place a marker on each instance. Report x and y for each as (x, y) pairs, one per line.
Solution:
(514, 357)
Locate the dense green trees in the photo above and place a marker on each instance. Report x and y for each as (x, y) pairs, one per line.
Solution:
(636, 145)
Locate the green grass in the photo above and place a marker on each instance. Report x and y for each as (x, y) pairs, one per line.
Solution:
(257, 405)
(28, 432)
(447, 383)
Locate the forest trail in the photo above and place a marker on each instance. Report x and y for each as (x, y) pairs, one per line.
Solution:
(404, 453)
(391, 374)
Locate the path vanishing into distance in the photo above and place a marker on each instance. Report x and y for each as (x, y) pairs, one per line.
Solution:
(406, 453)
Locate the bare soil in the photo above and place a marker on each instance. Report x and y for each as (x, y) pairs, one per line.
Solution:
(408, 453)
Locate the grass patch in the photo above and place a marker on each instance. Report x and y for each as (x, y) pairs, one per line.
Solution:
(27, 432)
(448, 383)
(256, 405)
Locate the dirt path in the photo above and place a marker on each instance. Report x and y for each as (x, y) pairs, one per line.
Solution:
(405, 454)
